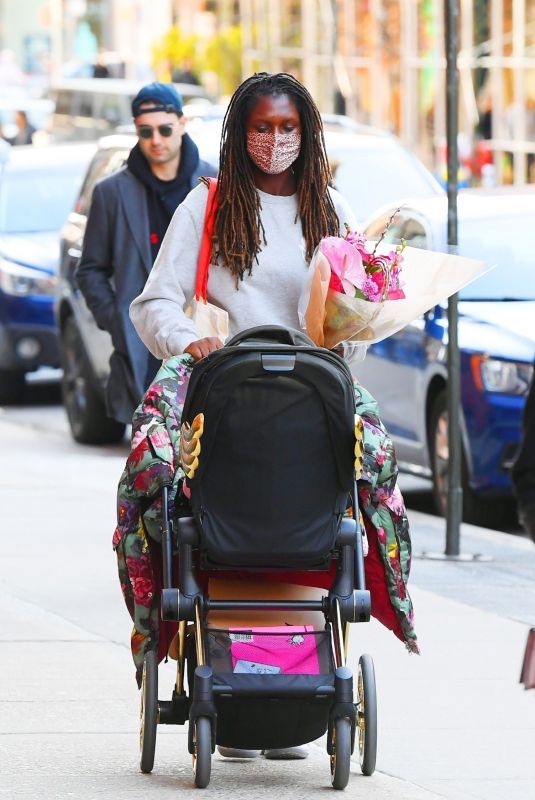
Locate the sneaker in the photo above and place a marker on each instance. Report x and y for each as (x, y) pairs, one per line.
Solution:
(287, 753)
(235, 752)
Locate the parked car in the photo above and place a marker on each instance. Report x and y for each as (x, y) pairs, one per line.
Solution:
(37, 188)
(371, 167)
(408, 372)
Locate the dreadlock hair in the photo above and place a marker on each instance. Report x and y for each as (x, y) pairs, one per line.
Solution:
(238, 230)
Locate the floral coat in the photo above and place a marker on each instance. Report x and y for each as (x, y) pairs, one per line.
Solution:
(153, 463)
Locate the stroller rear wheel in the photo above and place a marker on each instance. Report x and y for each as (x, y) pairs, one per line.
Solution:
(148, 712)
(202, 752)
(367, 715)
(341, 753)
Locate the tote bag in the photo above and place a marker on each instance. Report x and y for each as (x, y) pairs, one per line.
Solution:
(209, 319)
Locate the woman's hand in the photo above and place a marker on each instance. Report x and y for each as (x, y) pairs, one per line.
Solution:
(202, 347)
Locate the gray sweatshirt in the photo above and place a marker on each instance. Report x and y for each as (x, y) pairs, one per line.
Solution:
(268, 296)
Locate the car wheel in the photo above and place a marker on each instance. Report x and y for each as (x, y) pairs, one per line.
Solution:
(85, 408)
(477, 509)
(12, 384)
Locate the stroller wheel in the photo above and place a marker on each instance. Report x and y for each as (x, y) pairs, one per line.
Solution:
(202, 752)
(367, 715)
(341, 753)
(148, 712)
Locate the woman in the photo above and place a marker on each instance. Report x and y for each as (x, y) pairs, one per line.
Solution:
(274, 206)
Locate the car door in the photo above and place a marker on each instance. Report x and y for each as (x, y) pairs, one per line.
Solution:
(395, 370)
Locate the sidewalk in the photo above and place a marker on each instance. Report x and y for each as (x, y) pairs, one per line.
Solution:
(453, 723)
(455, 720)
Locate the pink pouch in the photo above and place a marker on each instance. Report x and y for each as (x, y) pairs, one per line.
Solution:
(285, 650)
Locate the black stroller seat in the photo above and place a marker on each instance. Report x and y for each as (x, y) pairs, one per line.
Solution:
(268, 446)
(277, 452)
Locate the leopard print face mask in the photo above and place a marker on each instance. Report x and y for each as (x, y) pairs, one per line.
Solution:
(273, 152)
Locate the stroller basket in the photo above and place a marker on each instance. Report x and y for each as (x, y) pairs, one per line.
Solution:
(286, 650)
(283, 677)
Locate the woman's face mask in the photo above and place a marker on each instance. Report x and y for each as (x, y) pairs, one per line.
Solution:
(273, 152)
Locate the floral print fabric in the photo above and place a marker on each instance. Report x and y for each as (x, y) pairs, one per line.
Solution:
(153, 463)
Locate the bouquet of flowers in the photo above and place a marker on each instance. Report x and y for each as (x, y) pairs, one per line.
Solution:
(350, 283)
(354, 292)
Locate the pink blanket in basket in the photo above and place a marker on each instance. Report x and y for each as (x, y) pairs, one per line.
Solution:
(285, 650)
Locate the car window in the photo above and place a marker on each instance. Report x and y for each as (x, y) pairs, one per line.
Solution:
(104, 163)
(395, 222)
(414, 233)
(376, 228)
(37, 200)
(400, 226)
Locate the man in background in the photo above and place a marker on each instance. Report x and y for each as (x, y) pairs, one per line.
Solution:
(129, 215)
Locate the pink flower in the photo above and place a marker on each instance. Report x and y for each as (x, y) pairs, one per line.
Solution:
(370, 290)
(345, 261)
(356, 238)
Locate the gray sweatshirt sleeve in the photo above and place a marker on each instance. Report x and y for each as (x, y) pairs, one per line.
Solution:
(158, 313)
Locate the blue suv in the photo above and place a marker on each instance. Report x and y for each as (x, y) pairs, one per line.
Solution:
(408, 372)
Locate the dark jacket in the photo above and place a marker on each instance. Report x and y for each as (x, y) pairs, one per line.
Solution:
(116, 260)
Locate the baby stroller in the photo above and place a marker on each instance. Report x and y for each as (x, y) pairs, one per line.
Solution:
(271, 449)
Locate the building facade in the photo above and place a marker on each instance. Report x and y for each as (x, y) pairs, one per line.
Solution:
(383, 63)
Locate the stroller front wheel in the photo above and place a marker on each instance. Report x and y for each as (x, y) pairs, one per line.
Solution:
(202, 752)
(367, 715)
(341, 753)
(148, 711)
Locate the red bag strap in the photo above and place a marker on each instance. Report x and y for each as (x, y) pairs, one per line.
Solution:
(203, 264)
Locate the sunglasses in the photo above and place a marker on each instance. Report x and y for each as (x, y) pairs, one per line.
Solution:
(147, 132)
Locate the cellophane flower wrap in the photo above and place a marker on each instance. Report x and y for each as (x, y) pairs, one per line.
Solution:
(344, 300)
(350, 283)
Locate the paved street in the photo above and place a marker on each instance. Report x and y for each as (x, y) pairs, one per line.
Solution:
(453, 723)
